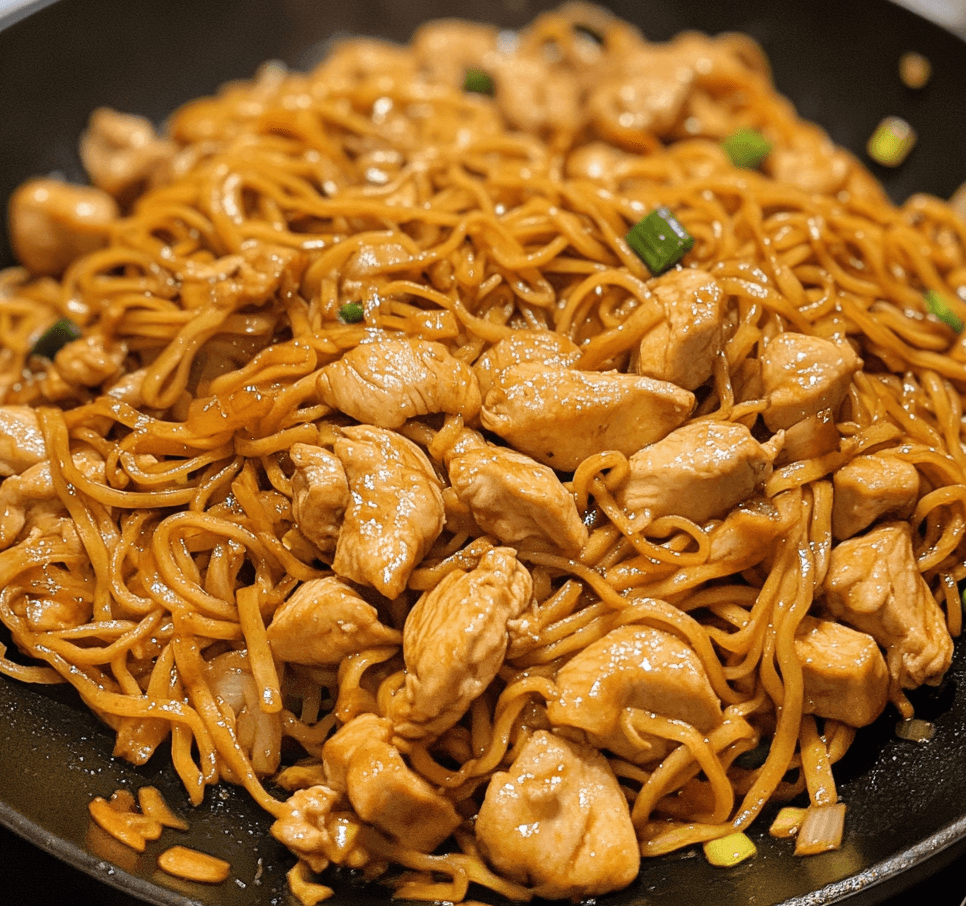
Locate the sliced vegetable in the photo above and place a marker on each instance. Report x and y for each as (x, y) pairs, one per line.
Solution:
(915, 730)
(55, 338)
(351, 313)
(727, 851)
(787, 822)
(915, 70)
(478, 81)
(821, 830)
(747, 148)
(891, 142)
(938, 306)
(659, 240)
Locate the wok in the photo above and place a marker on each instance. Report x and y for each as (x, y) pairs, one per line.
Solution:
(838, 63)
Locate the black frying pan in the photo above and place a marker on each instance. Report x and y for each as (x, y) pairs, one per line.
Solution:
(837, 60)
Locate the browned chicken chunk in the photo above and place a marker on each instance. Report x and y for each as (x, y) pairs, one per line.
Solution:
(395, 511)
(633, 667)
(455, 639)
(544, 347)
(844, 672)
(699, 471)
(514, 498)
(561, 416)
(803, 376)
(384, 383)
(340, 747)
(54, 222)
(683, 346)
(121, 152)
(324, 621)
(21, 441)
(873, 584)
(557, 820)
(320, 494)
(870, 487)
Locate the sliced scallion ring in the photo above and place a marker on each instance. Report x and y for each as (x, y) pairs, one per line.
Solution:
(351, 313)
(747, 148)
(478, 82)
(659, 240)
(938, 306)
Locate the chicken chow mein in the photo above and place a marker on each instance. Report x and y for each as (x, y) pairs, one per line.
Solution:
(506, 456)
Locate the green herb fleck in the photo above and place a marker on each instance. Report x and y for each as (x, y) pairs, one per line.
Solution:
(938, 306)
(55, 338)
(747, 148)
(351, 313)
(478, 82)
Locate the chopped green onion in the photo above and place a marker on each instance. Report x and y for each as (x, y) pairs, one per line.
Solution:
(891, 142)
(915, 730)
(727, 851)
(747, 148)
(478, 81)
(659, 240)
(787, 822)
(939, 307)
(351, 313)
(821, 830)
(55, 338)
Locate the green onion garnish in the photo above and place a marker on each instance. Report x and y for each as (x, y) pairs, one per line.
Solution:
(891, 142)
(478, 81)
(729, 850)
(939, 307)
(747, 148)
(659, 240)
(351, 313)
(55, 338)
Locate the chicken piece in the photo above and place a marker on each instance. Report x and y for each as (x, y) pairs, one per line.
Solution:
(340, 747)
(121, 152)
(386, 793)
(873, 584)
(699, 471)
(259, 732)
(633, 667)
(324, 621)
(558, 820)
(454, 642)
(21, 441)
(870, 487)
(683, 346)
(90, 361)
(545, 347)
(561, 416)
(309, 827)
(320, 494)
(514, 498)
(844, 672)
(447, 48)
(811, 162)
(600, 162)
(386, 382)
(395, 511)
(803, 376)
(54, 222)
(536, 98)
(813, 436)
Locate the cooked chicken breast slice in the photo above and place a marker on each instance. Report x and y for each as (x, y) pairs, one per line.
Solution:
(560, 416)
(395, 511)
(874, 584)
(844, 672)
(870, 487)
(515, 498)
(320, 494)
(803, 376)
(454, 642)
(21, 441)
(699, 471)
(558, 821)
(683, 346)
(543, 347)
(385, 383)
(633, 667)
(342, 745)
(324, 621)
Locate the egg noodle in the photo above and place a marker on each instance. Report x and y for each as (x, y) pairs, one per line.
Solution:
(212, 308)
